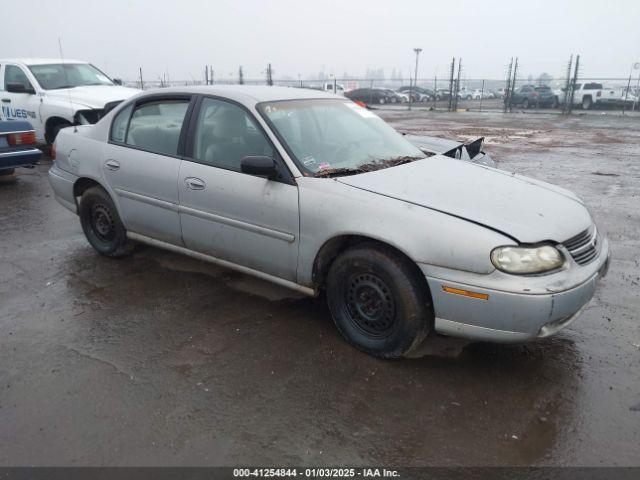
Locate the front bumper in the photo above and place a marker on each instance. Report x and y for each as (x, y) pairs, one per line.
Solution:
(514, 313)
(19, 158)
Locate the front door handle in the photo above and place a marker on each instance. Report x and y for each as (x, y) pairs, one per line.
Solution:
(6, 100)
(112, 165)
(195, 183)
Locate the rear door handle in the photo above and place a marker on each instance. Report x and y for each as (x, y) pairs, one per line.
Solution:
(195, 183)
(112, 165)
(6, 100)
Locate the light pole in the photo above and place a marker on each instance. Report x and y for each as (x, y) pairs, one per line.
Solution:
(415, 82)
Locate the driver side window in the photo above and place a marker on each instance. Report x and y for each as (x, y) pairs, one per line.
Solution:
(15, 75)
(225, 134)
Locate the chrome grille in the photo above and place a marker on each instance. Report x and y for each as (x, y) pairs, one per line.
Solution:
(582, 247)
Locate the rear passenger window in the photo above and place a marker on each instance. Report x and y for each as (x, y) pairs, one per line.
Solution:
(119, 126)
(156, 126)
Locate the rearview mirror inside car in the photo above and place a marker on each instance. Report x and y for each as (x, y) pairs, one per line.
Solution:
(261, 166)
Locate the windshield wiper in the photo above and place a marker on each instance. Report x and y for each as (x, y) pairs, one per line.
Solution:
(64, 86)
(387, 162)
(331, 172)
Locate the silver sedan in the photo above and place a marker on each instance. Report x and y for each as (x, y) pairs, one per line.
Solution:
(316, 193)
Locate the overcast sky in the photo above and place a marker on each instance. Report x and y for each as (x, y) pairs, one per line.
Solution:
(306, 37)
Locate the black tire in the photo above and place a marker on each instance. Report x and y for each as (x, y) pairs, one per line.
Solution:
(525, 103)
(7, 171)
(381, 100)
(586, 103)
(102, 225)
(378, 301)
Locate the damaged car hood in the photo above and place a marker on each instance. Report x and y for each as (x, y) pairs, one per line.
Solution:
(527, 210)
(93, 96)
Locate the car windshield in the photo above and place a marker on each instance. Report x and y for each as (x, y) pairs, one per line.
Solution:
(68, 75)
(337, 136)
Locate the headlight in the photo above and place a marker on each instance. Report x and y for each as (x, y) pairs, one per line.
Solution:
(526, 259)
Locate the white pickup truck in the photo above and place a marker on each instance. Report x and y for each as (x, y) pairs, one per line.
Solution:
(52, 94)
(593, 94)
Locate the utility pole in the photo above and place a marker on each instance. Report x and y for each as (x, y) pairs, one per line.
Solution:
(240, 76)
(141, 82)
(415, 82)
(481, 94)
(211, 74)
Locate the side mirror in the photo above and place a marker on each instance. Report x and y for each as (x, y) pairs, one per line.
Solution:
(117, 81)
(261, 166)
(19, 88)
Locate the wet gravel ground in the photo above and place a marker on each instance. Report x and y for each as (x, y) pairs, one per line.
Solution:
(158, 359)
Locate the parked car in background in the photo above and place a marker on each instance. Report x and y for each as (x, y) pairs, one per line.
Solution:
(17, 146)
(419, 94)
(596, 95)
(404, 96)
(532, 96)
(392, 96)
(442, 94)
(251, 178)
(478, 94)
(52, 94)
(465, 94)
(369, 96)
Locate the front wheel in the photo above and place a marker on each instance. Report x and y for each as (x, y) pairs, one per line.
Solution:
(381, 101)
(102, 225)
(525, 103)
(378, 301)
(586, 103)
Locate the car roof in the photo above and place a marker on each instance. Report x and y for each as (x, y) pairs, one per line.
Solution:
(251, 93)
(39, 61)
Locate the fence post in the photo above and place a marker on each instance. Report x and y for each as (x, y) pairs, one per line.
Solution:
(481, 94)
(573, 85)
(513, 84)
(567, 87)
(507, 91)
(453, 66)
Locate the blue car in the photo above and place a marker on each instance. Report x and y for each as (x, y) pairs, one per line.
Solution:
(17, 146)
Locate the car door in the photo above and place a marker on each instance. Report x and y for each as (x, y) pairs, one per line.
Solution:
(141, 163)
(23, 104)
(237, 217)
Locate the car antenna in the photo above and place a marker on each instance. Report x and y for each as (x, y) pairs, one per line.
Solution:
(66, 80)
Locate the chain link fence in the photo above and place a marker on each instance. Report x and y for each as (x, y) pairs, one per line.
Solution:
(564, 95)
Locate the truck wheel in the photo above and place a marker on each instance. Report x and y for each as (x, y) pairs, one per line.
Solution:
(53, 132)
(102, 225)
(586, 103)
(525, 103)
(378, 301)
(381, 101)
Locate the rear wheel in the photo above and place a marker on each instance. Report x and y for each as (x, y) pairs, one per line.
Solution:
(586, 103)
(525, 103)
(102, 225)
(381, 100)
(378, 301)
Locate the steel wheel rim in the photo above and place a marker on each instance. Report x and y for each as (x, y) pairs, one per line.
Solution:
(102, 223)
(370, 305)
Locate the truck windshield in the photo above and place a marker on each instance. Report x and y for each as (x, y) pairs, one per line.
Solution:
(68, 75)
(325, 136)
